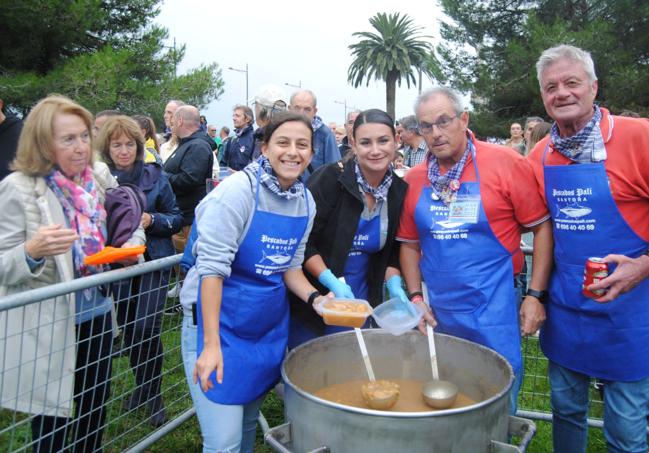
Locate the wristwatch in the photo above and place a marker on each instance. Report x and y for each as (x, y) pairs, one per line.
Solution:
(542, 296)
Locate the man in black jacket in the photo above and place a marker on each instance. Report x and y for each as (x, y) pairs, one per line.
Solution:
(10, 127)
(188, 167)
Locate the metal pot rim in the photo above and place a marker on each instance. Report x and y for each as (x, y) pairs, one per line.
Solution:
(373, 412)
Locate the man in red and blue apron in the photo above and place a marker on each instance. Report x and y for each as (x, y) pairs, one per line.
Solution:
(593, 171)
(466, 206)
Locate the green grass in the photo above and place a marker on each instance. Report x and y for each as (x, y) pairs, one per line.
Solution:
(535, 396)
(127, 429)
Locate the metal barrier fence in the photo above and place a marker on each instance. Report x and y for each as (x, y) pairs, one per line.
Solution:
(147, 396)
(534, 396)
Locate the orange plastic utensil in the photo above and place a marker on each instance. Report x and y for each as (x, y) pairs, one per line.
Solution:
(112, 255)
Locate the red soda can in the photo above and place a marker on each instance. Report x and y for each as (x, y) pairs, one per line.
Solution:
(594, 271)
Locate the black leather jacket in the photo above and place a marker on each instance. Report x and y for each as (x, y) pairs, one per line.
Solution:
(339, 207)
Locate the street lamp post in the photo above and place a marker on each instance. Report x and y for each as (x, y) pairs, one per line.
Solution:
(344, 103)
(174, 56)
(246, 71)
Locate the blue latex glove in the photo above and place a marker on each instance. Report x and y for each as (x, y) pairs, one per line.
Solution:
(339, 288)
(396, 291)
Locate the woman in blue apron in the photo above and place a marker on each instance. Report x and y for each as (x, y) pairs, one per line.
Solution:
(358, 207)
(252, 230)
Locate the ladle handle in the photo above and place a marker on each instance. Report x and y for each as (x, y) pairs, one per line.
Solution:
(366, 357)
(431, 337)
(433, 353)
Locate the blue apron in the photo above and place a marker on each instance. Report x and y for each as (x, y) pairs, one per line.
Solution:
(367, 241)
(611, 340)
(468, 272)
(254, 314)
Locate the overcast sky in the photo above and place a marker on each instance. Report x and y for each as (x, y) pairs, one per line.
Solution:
(287, 42)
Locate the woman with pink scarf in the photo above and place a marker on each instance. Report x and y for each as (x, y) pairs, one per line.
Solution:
(56, 353)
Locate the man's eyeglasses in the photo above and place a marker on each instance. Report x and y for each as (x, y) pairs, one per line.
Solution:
(442, 123)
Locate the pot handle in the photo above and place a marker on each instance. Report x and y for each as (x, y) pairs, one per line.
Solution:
(279, 436)
(520, 427)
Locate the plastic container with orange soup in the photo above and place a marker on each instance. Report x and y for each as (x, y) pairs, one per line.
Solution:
(345, 312)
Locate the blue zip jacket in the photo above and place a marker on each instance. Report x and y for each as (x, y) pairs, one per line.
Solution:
(161, 204)
(238, 150)
(325, 150)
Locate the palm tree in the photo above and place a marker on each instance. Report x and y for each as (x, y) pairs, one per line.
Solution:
(389, 55)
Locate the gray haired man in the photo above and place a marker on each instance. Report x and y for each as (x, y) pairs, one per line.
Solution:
(415, 148)
(594, 176)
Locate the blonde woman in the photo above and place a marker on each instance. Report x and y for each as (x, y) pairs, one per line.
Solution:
(56, 353)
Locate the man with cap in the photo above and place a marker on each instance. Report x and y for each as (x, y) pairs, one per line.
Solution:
(268, 101)
(325, 149)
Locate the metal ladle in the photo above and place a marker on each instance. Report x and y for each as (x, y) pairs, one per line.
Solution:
(437, 394)
(388, 397)
(384, 399)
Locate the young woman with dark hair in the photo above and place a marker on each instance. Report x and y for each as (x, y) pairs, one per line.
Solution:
(358, 207)
(234, 296)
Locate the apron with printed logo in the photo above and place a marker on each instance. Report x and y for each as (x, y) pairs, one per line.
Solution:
(468, 272)
(367, 240)
(254, 314)
(605, 340)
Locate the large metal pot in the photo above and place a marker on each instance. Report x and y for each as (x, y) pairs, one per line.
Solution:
(317, 424)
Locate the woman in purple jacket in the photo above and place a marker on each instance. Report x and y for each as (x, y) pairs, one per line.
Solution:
(140, 300)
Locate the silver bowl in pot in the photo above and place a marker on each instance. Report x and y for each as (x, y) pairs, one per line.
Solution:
(480, 373)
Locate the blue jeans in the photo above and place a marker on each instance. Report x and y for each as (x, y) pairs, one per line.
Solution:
(626, 407)
(518, 377)
(516, 388)
(225, 428)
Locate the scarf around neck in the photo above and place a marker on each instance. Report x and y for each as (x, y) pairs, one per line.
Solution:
(270, 181)
(446, 186)
(85, 213)
(241, 131)
(379, 193)
(316, 123)
(585, 146)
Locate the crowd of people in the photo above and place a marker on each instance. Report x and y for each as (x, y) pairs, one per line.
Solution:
(259, 254)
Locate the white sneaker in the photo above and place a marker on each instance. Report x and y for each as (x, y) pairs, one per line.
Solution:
(174, 292)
